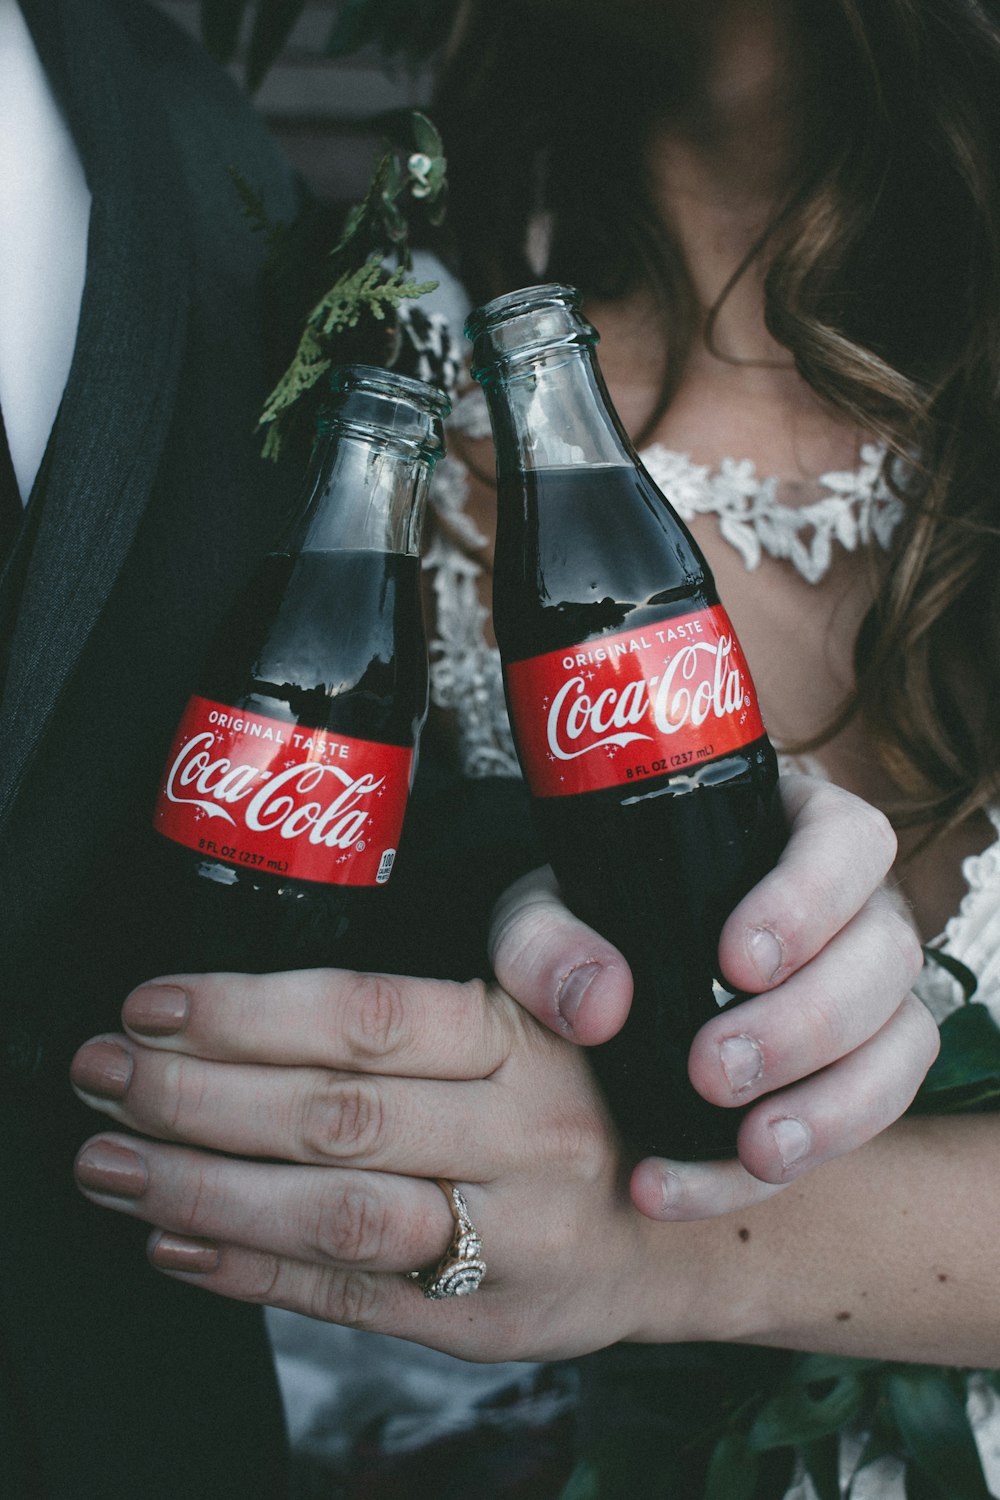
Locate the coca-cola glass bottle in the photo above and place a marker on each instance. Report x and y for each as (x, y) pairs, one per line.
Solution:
(653, 783)
(283, 795)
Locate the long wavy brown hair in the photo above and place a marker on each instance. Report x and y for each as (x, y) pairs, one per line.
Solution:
(882, 280)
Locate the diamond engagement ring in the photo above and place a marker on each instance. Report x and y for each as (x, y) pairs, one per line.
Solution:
(461, 1269)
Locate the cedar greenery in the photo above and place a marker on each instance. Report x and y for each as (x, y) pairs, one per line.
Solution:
(367, 290)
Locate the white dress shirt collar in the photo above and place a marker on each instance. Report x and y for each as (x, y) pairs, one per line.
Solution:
(44, 214)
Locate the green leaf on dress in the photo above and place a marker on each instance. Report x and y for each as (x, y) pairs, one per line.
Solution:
(965, 1076)
(822, 1464)
(953, 966)
(801, 1414)
(582, 1484)
(810, 1368)
(732, 1469)
(929, 1407)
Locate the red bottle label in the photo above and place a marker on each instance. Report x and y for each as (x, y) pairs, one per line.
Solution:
(266, 795)
(661, 698)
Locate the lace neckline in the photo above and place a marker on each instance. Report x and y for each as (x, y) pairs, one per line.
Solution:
(854, 507)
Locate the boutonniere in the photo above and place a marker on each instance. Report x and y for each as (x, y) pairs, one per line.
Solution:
(364, 283)
(367, 274)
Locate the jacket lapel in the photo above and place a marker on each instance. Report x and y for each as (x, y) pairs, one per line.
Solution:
(120, 393)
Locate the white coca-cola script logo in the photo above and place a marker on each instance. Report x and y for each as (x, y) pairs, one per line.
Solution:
(699, 681)
(276, 802)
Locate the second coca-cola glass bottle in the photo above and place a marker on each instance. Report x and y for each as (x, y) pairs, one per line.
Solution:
(284, 791)
(653, 783)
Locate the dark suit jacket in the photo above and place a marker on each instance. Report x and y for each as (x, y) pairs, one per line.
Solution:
(151, 509)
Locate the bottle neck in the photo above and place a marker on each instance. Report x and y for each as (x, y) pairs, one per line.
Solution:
(550, 410)
(364, 493)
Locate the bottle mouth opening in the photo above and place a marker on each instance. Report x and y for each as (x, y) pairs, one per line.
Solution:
(387, 383)
(523, 323)
(395, 406)
(524, 299)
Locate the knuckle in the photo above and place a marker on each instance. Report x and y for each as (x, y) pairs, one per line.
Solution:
(738, 1191)
(180, 1096)
(349, 1225)
(528, 894)
(906, 944)
(375, 1016)
(497, 1018)
(518, 934)
(857, 838)
(344, 1119)
(261, 1279)
(503, 941)
(811, 892)
(578, 1137)
(824, 1021)
(830, 804)
(195, 1211)
(874, 830)
(861, 824)
(351, 1299)
(926, 1027)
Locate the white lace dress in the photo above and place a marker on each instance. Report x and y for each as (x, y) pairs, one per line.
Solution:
(332, 1377)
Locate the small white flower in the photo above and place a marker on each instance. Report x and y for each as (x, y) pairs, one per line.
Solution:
(419, 166)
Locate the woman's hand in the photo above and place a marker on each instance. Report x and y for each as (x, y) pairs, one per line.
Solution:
(834, 1048)
(361, 1089)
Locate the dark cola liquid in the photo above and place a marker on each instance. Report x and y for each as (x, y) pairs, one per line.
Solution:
(656, 865)
(323, 640)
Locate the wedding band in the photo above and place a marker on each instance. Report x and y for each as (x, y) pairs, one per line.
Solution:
(461, 1269)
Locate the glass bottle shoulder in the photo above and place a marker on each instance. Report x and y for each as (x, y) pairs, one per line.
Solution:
(583, 551)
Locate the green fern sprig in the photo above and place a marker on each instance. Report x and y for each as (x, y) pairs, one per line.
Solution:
(367, 290)
(360, 291)
(275, 235)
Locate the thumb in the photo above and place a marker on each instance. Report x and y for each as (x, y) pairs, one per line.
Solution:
(554, 965)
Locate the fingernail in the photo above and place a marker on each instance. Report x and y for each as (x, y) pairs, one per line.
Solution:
(172, 1252)
(106, 1167)
(742, 1062)
(792, 1140)
(767, 952)
(572, 990)
(156, 1010)
(103, 1069)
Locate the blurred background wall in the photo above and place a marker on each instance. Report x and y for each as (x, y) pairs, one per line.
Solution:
(318, 107)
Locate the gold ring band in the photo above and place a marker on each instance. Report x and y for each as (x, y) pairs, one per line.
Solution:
(462, 1268)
